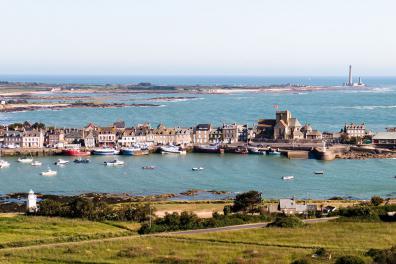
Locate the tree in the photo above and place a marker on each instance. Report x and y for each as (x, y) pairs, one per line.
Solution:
(246, 201)
(349, 260)
(376, 200)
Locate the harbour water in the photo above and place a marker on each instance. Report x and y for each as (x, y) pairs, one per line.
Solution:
(229, 172)
(326, 111)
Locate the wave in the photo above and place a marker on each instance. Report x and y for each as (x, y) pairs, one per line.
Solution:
(366, 107)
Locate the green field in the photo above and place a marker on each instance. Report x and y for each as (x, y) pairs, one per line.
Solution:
(264, 245)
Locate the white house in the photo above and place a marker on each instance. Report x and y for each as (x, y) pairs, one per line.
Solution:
(32, 139)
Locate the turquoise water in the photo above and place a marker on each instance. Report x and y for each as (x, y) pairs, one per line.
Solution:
(234, 173)
(329, 111)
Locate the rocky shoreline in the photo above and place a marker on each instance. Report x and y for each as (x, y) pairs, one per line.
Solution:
(15, 202)
(60, 106)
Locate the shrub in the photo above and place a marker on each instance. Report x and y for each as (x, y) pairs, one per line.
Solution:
(385, 256)
(376, 200)
(227, 209)
(361, 211)
(301, 261)
(321, 252)
(246, 201)
(287, 221)
(349, 260)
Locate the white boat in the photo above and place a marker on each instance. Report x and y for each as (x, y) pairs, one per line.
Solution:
(172, 150)
(61, 162)
(49, 172)
(197, 169)
(25, 160)
(273, 152)
(287, 178)
(4, 164)
(114, 163)
(319, 172)
(36, 163)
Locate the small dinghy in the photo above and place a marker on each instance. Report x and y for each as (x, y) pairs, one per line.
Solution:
(4, 164)
(61, 162)
(25, 160)
(80, 160)
(197, 169)
(114, 163)
(319, 172)
(148, 167)
(36, 163)
(287, 178)
(49, 172)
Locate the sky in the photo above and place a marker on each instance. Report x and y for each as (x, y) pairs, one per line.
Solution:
(198, 37)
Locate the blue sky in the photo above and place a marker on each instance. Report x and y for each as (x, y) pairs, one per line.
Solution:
(195, 37)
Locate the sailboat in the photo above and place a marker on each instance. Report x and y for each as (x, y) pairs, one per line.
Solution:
(3, 163)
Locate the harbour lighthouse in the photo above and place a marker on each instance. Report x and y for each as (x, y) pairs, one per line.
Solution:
(31, 204)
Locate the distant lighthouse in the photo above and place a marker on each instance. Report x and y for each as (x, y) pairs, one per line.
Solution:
(350, 82)
(31, 204)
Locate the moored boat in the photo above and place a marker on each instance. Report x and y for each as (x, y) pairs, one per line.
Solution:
(36, 163)
(61, 162)
(207, 148)
(287, 178)
(198, 169)
(148, 167)
(273, 152)
(49, 172)
(104, 151)
(172, 150)
(134, 151)
(25, 160)
(255, 150)
(319, 172)
(80, 160)
(114, 163)
(4, 164)
(75, 152)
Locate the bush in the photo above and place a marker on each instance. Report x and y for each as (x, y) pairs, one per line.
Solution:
(321, 252)
(301, 261)
(349, 260)
(386, 256)
(376, 200)
(246, 201)
(361, 211)
(186, 220)
(227, 209)
(287, 221)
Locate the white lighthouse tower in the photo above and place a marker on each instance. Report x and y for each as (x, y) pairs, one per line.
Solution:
(31, 205)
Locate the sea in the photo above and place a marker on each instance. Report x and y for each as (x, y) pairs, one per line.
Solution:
(324, 110)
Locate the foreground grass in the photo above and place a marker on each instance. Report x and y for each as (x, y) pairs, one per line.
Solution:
(26, 230)
(265, 245)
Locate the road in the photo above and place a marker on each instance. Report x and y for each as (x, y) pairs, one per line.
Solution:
(186, 232)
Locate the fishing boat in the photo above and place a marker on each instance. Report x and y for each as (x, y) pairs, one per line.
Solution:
(197, 169)
(114, 163)
(36, 163)
(273, 152)
(148, 167)
(172, 150)
(81, 160)
(4, 164)
(75, 152)
(255, 150)
(49, 172)
(134, 151)
(242, 150)
(25, 160)
(287, 178)
(319, 172)
(61, 162)
(215, 148)
(104, 151)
